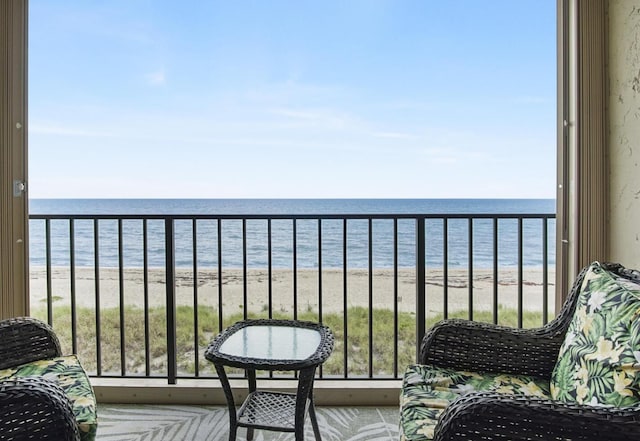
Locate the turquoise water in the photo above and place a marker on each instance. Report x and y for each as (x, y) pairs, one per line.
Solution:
(308, 233)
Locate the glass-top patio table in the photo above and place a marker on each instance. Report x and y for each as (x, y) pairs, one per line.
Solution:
(273, 345)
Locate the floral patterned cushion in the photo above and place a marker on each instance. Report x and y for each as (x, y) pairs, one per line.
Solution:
(428, 390)
(599, 361)
(69, 374)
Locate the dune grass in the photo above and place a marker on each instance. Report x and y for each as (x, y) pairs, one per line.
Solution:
(194, 331)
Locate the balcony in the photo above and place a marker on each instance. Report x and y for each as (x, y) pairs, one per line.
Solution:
(139, 297)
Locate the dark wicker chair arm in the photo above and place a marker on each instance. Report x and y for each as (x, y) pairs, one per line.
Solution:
(482, 347)
(24, 340)
(35, 409)
(491, 416)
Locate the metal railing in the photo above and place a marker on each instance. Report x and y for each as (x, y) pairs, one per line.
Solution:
(141, 295)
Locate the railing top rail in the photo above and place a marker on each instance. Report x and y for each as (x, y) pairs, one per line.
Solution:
(295, 216)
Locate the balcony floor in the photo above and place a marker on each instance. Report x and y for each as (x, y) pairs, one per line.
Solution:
(211, 423)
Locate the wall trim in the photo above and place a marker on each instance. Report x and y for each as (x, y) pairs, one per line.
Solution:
(209, 392)
(14, 274)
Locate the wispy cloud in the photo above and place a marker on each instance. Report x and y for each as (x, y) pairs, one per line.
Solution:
(437, 155)
(326, 118)
(296, 114)
(156, 78)
(394, 135)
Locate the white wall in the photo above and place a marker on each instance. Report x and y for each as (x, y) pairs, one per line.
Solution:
(624, 132)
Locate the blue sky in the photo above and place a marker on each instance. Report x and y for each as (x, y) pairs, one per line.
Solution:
(234, 99)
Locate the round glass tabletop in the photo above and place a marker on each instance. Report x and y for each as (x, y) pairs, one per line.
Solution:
(272, 343)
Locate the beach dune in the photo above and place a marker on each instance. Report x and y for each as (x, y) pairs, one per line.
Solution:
(314, 290)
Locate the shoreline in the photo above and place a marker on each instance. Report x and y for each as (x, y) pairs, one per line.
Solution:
(307, 284)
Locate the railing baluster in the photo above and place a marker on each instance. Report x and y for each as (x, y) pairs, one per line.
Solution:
(96, 269)
(270, 266)
(495, 271)
(320, 280)
(420, 283)
(370, 285)
(170, 283)
(395, 299)
(320, 270)
(295, 269)
(270, 270)
(194, 247)
(72, 287)
(345, 306)
(145, 282)
(545, 272)
(220, 317)
(47, 227)
(123, 350)
(245, 286)
(520, 280)
(445, 269)
(470, 266)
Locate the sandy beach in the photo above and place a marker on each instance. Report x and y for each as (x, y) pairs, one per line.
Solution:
(283, 285)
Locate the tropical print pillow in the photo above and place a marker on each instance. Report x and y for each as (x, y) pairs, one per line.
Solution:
(599, 361)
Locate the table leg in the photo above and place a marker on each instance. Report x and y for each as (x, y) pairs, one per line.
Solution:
(251, 375)
(233, 418)
(305, 386)
(314, 420)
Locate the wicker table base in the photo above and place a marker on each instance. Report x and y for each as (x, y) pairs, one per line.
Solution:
(273, 411)
(267, 410)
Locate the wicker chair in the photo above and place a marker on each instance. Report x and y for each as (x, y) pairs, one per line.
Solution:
(480, 415)
(39, 407)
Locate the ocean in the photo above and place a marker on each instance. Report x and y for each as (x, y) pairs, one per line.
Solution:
(307, 233)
